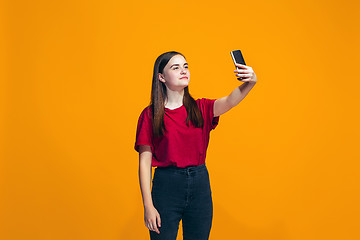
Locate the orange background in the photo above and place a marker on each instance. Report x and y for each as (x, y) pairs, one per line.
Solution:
(283, 164)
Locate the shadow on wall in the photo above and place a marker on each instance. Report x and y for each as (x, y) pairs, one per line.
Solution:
(224, 226)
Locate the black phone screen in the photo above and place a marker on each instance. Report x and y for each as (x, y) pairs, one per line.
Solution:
(237, 57)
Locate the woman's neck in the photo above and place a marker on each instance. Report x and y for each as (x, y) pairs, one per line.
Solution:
(174, 98)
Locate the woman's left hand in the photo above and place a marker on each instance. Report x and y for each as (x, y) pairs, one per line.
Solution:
(246, 73)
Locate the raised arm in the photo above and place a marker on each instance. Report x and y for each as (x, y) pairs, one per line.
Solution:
(224, 104)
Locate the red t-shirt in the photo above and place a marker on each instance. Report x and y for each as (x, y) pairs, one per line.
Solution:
(181, 145)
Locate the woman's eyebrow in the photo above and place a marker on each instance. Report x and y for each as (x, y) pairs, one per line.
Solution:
(176, 64)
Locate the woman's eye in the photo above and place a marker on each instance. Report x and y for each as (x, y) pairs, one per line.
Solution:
(178, 67)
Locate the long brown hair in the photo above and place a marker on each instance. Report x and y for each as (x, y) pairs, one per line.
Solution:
(159, 95)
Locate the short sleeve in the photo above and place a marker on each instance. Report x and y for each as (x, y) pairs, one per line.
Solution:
(144, 133)
(207, 108)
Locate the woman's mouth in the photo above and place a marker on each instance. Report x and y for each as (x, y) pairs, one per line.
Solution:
(184, 77)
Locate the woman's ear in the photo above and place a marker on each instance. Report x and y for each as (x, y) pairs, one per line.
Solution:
(161, 77)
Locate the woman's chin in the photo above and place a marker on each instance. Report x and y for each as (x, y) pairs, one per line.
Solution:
(185, 83)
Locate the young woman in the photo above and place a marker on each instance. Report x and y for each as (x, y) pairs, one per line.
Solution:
(173, 135)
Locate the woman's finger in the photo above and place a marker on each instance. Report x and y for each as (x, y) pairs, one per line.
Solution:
(242, 71)
(243, 75)
(241, 65)
(155, 227)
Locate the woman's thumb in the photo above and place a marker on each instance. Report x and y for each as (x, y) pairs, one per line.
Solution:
(158, 220)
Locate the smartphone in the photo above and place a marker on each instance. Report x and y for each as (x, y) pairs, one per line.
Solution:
(237, 58)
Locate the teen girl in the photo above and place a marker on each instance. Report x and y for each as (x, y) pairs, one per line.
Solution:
(173, 135)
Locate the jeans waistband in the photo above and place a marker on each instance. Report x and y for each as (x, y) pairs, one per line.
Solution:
(182, 170)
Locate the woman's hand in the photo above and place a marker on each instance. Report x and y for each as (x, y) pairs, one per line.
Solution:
(151, 217)
(246, 72)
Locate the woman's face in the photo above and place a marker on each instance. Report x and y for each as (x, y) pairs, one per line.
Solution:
(176, 74)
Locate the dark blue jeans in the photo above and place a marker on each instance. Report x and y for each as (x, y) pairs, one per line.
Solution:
(182, 193)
